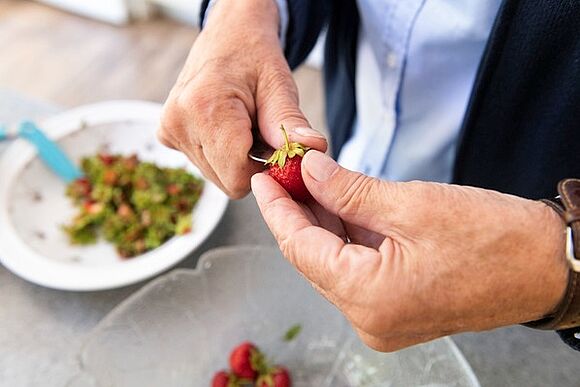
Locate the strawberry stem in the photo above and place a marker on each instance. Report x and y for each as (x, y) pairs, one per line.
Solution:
(287, 142)
(288, 150)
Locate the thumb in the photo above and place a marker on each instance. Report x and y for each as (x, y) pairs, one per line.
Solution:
(277, 104)
(358, 199)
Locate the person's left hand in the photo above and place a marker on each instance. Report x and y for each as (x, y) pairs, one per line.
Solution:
(410, 262)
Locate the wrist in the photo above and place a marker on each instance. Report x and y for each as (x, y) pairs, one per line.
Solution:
(262, 15)
(558, 269)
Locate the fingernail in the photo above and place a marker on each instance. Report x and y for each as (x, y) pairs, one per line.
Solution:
(308, 132)
(319, 165)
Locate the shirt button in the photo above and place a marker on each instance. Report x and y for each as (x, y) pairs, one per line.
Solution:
(392, 60)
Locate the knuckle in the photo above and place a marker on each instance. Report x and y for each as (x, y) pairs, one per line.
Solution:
(236, 194)
(191, 104)
(285, 247)
(216, 92)
(278, 81)
(197, 102)
(163, 138)
(237, 187)
(287, 113)
(184, 118)
(354, 192)
(171, 130)
(171, 118)
(277, 75)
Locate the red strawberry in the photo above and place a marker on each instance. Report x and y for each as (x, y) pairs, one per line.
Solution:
(285, 168)
(221, 379)
(243, 360)
(280, 377)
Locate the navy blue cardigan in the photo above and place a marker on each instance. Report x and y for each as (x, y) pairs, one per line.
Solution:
(521, 133)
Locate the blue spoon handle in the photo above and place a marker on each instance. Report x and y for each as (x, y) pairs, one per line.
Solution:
(49, 152)
(3, 133)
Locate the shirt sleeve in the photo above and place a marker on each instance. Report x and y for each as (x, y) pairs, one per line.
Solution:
(282, 11)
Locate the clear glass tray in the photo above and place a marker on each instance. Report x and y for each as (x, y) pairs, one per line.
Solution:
(178, 331)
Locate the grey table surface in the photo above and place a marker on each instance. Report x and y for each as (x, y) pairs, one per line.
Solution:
(41, 329)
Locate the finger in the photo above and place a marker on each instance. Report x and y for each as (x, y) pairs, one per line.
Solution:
(195, 154)
(322, 218)
(358, 199)
(277, 104)
(327, 220)
(226, 149)
(320, 255)
(309, 214)
(287, 221)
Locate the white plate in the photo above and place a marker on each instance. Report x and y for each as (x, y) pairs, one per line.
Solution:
(33, 205)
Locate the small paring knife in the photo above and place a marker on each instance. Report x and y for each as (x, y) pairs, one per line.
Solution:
(260, 152)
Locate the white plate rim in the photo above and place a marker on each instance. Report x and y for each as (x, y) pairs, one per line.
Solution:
(22, 260)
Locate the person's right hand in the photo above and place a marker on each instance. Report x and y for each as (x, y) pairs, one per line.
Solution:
(235, 78)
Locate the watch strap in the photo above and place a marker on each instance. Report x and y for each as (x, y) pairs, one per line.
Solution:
(567, 315)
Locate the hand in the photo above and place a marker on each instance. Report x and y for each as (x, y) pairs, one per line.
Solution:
(236, 77)
(425, 260)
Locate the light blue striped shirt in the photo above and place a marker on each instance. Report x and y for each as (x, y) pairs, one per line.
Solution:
(416, 65)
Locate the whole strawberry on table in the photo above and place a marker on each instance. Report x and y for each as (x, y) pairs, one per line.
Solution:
(285, 166)
(249, 367)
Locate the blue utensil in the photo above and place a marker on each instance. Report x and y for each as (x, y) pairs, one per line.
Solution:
(48, 151)
(4, 135)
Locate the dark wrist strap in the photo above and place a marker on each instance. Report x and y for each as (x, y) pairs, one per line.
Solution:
(567, 314)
